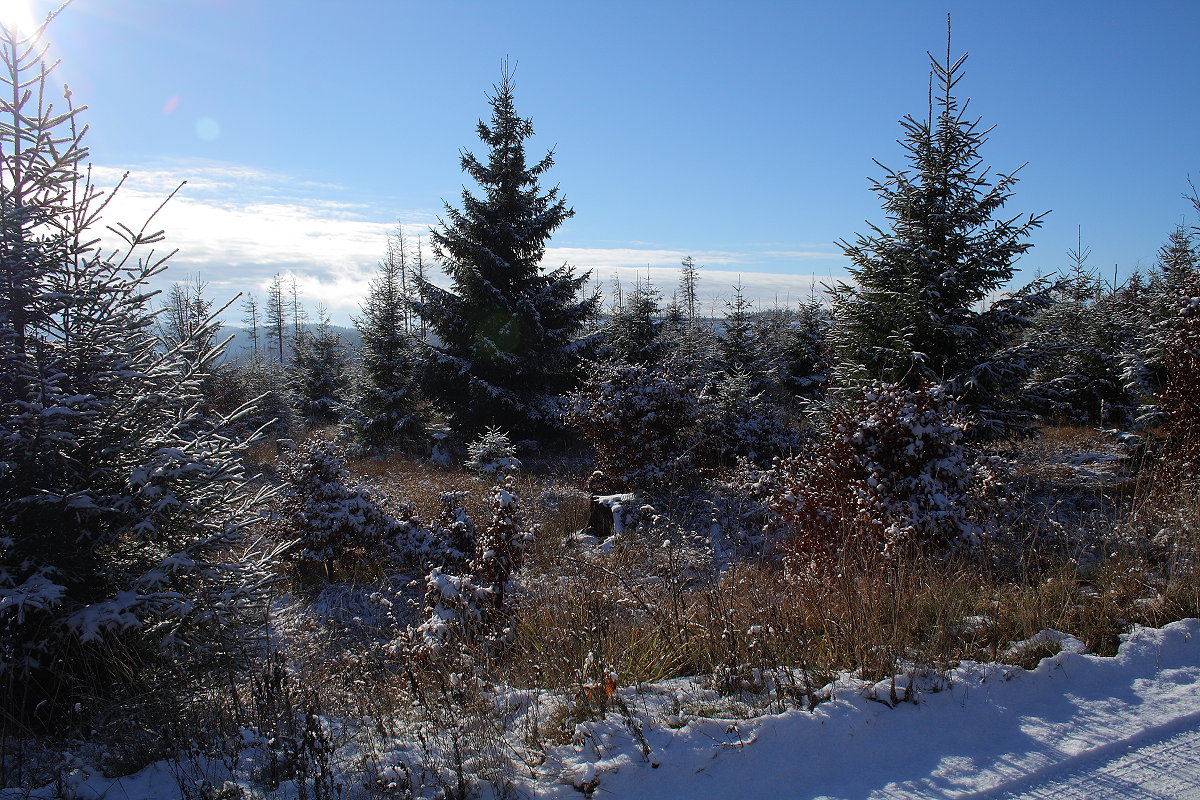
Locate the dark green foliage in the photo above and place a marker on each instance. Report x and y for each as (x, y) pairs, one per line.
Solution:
(912, 313)
(738, 345)
(1175, 274)
(741, 423)
(1181, 393)
(631, 334)
(507, 333)
(385, 410)
(265, 381)
(1091, 339)
(319, 367)
(799, 337)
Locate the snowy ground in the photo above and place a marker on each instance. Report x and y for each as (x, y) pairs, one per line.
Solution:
(1078, 726)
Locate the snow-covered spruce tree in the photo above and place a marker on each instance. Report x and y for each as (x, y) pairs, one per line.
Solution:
(689, 281)
(1089, 337)
(184, 312)
(500, 548)
(187, 320)
(385, 414)
(1180, 400)
(266, 380)
(632, 331)
(492, 454)
(335, 524)
(508, 344)
(277, 320)
(456, 532)
(687, 343)
(122, 504)
(642, 422)
(911, 315)
(1175, 273)
(739, 422)
(319, 373)
(739, 347)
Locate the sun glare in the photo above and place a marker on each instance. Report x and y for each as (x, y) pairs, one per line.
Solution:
(18, 17)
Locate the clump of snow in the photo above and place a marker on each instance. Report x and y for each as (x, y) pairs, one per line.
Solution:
(1048, 638)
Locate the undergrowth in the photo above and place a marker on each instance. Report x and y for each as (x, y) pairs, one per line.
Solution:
(340, 707)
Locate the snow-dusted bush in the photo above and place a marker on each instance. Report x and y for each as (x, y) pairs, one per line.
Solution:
(123, 501)
(501, 547)
(1180, 402)
(640, 421)
(892, 471)
(455, 532)
(332, 523)
(492, 454)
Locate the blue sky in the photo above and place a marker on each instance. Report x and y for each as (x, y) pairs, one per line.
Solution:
(742, 134)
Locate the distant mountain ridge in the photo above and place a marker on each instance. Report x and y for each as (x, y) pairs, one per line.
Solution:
(241, 347)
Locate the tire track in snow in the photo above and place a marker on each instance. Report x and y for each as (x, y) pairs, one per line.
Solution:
(1160, 763)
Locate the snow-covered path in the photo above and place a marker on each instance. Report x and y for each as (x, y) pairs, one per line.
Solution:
(1156, 765)
(1078, 726)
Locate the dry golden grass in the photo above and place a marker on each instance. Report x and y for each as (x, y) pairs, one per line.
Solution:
(652, 612)
(870, 614)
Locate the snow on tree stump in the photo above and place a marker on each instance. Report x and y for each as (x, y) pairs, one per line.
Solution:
(612, 515)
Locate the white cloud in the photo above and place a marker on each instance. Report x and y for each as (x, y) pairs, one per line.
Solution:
(235, 227)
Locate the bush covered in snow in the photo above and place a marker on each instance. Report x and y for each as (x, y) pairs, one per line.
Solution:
(333, 523)
(462, 610)
(1181, 394)
(892, 470)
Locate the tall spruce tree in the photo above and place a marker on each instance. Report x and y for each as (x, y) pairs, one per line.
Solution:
(912, 313)
(277, 318)
(689, 279)
(250, 318)
(508, 333)
(739, 347)
(1091, 335)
